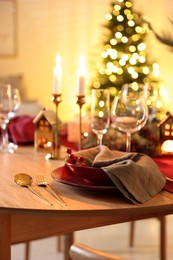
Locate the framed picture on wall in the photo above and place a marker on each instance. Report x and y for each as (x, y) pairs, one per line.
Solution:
(8, 28)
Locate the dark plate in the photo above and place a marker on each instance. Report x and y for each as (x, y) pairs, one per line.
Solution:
(93, 174)
(64, 175)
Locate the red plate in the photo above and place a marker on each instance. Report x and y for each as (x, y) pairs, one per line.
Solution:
(93, 174)
(64, 175)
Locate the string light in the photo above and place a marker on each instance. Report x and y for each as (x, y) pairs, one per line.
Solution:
(125, 57)
(132, 48)
(131, 23)
(120, 18)
(127, 11)
(142, 59)
(104, 54)
(118, 35)
(124, 53)
(112, 78)
(135, 55)
(120, 28)
(156, 69)
(138, 29)
(124, 39)
(141, 46)
(108, 17)
(128, 4)
(146, 70)
(132, 61)
(113, 42)
(135, 75)
(122, 62)
(117, 7)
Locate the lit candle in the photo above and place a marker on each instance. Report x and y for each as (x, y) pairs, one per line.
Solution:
(81, 73)
(57, 76)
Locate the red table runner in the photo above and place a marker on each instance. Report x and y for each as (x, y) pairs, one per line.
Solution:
(166, 167)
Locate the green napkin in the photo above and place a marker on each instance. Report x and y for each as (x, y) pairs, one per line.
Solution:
(136, 175)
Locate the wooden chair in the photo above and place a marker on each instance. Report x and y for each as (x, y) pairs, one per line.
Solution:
(162, 236)
(82, 252)
(63, 245)
(69, 239)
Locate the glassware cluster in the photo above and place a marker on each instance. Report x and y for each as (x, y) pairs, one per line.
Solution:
(100, 112)
(9, 104)
(129, 111)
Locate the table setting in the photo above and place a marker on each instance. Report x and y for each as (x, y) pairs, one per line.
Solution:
(136, 175)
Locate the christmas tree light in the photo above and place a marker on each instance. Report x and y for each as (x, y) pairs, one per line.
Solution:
(124, 57)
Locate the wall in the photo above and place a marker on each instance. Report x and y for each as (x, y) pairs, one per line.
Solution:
(72, 28)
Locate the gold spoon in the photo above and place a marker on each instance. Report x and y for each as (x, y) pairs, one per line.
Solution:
(25, 180)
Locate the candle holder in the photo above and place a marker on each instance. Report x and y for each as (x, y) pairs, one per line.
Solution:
(80, 102)
(56, 99)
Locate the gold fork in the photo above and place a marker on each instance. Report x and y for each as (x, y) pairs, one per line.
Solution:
(41, 181)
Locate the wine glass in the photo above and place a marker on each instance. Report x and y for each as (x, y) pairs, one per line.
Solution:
(15, 104)
(129, 114)
(9, 102)
(100, 113)
(152, 101)
(135, 90)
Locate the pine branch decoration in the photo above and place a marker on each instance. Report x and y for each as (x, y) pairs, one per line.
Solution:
(165, 38)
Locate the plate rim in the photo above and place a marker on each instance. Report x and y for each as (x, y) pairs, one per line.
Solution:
(75, 184)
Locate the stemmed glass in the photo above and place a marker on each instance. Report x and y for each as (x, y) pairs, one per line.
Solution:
(152, 102)
(15, 104)
(9, 103)
(129, 113)
(100, 113)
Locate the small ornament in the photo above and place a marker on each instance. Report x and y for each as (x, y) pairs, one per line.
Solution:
(44, 134)
(166, 135)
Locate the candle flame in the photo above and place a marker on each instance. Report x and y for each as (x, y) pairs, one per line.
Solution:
(82, 63)
(58, 61)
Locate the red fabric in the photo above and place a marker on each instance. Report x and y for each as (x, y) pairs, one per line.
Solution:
(21, 129)
(166, 167)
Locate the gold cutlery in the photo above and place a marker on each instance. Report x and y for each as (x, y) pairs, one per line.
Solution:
(41, 181)
(25, 180)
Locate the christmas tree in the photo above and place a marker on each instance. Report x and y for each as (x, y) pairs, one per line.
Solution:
(124, 57)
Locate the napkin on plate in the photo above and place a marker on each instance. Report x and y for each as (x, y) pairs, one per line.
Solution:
(136, 175)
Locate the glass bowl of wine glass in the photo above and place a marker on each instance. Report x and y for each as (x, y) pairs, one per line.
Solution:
(129, 113)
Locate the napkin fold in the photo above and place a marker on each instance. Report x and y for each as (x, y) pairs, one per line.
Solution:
(136, 175)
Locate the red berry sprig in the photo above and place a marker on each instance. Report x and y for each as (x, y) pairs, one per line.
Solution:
(73, 159)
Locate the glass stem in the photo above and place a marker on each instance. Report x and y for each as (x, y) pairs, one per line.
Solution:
(128, 143)
(4, 136)
(100, 139)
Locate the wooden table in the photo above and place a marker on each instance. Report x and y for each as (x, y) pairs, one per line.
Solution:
(24, 217)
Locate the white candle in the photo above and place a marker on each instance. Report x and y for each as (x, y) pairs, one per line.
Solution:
(81, 74)
(57, 76)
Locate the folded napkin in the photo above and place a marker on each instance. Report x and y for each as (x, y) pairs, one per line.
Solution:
(136, 175)
(21, 129)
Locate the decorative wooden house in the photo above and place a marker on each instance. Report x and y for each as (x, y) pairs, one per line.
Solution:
(45, 123)
(166, 135)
